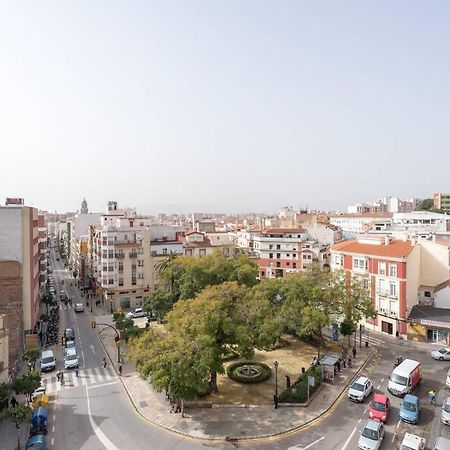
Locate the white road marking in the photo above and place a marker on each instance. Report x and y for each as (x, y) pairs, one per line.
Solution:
(92, 348)
(398, 424)
(378, 387)
(349, 439)
(101, 436)
(54, 417)
(52, 441)
(382, 379)
(359, 421)
(394, 436)
(53, 428)
(102, 384)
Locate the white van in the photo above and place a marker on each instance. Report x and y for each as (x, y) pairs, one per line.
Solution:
(442, 444)
(48, 361)
(405, 377)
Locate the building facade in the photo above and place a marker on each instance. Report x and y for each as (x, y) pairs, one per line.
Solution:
(442, 201)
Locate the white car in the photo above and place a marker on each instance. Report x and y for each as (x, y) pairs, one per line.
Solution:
(360, 389)
(445, 412)
(137, 312)
(39, 391)
(442, 354)
(371, 436)
(70, 345)
(412, 442)
(79, 307)
(71, 359)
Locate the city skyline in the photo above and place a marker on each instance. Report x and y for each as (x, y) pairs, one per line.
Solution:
(178, 107)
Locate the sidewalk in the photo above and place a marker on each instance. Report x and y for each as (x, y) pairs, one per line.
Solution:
(229, 422)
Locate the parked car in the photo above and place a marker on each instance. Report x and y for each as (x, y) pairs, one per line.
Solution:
(79, 307)
(69, 334)
(48, 361)
(71, 359)
(69, 345)
(37, 442)
(410, 409)
(412, 442)
(442, 355)
(379, 408)
(137, 312)
(360, 389)
(445, 412)
(371, 436)
(39, 391)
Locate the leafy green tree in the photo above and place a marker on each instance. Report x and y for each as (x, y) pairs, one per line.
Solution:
(163, 267)
(31, 356)
(18, 415)
(5, 389)
(425, 205)
(347, 328)
(121, 321)
(159, 303)
(27, 383)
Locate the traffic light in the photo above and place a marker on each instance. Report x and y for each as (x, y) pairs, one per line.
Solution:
(93, 324)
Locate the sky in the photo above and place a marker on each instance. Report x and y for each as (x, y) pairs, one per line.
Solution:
(223, 106)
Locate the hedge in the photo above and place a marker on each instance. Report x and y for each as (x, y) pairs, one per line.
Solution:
(298, 393)
(265, 372)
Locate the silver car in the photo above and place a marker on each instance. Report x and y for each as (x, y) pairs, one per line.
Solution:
(442, 355)
(371, 436)
(445, 412)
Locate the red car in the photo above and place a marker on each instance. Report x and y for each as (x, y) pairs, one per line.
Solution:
(379, 408)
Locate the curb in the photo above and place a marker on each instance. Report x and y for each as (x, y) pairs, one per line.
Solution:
(244, 438)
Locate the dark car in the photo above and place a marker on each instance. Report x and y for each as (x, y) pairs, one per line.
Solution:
(69, 334)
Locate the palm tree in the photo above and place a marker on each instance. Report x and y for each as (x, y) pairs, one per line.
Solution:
(163, 267)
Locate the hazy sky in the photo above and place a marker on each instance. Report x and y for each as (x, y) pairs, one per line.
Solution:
(223, 105)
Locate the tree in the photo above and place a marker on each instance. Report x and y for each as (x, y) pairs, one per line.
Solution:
(5, 389)
(159, 303)
(121, 321)
(18, 415)
(27, 383)
(163, 268)
(347, 328)
(31, 356)
(425, 205)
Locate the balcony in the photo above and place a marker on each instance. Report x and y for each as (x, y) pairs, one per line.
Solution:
(132, 254)
(120, 255)
(126, 242)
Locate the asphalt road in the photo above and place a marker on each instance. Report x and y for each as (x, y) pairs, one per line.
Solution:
(94, 412)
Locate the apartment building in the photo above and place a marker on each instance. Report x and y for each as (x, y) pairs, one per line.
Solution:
(442, 201)
(42, 230)
(280, 251)
(122, 261)
(390, 269)
(353, 225)
(19, 241)
(196, 244)
(11, 307)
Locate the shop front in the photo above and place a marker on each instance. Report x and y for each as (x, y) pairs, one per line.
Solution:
(429, 324)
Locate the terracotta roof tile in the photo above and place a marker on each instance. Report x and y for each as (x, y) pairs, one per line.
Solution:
(395, 249)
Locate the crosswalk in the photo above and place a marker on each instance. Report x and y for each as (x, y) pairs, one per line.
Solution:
(88, 377)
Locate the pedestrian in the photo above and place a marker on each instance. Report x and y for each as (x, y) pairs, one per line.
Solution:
(432, 396)
(314, 362)
(104, 363)
(338, 364)
(120, 369)
(76, 372)
(354, 352)
(13, 402)
(178, 406)
(62, 378)
(349, 362)
(58, 375)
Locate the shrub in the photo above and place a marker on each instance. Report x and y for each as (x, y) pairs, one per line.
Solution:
(299, 392)
(264, 374)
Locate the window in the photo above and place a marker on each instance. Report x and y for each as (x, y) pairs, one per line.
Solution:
(140, 251)
(202, 252)
(294, 255)
(382, 268)
(278, 264)
(164, 251)
(294, 265)
(263, 273)
(392, 288)
(288, 263)
(111, 254)
(270, 255)
(111, 281)
(120, 281)
(393, 270)
(120, 266)
(270, 247)
(188, 252)
(366, 283)
(104, 254)
(427, 294)
(278, 255)
(140, 276)
(278, 246)
(287, 256)
(140, 263)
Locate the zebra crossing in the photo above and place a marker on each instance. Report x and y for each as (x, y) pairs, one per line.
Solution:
(93, 376)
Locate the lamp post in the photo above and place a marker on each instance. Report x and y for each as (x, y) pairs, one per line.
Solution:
(91, 301)
(275, 397)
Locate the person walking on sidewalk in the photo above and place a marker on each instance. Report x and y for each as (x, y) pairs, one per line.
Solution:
(13, 402)
(354, 352)
(120, 370)
(104, 363)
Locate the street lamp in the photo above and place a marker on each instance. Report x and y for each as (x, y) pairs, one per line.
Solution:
(275, 397)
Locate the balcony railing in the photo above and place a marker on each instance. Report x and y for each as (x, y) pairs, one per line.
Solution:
(133, 255)
(120, 255)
